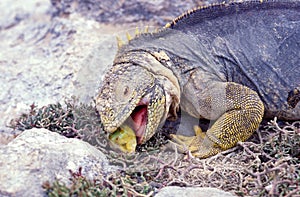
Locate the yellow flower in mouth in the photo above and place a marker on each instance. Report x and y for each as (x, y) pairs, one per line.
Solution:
(124, 139)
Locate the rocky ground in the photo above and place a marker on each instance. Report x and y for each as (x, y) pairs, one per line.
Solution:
(46, 58)
(54, 50)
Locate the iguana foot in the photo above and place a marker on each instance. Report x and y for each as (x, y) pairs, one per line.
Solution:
(199, 145)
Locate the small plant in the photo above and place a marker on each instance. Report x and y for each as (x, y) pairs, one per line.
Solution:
(70, 120)
(80, 186)
(52, 117)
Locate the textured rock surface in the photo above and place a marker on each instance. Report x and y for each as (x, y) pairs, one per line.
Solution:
(39, 155)
(173, 191)
(113, 11)
(44, 59)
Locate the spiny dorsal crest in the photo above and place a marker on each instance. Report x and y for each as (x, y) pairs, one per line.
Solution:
(189, 12)
(137, 33)
(204, 7)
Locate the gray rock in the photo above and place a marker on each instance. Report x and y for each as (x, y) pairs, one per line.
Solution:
(113, 11)
(39, 155)
(7, 135)
(174, 191)
(46, 59)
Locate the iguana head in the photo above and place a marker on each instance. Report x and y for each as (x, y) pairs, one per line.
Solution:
(133, 95)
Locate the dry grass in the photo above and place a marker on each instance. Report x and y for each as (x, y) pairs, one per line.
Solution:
(268, 164)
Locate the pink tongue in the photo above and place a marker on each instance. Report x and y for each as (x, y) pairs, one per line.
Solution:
(139, 117)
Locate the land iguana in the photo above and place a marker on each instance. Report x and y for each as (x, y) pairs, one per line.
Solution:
(232, 63)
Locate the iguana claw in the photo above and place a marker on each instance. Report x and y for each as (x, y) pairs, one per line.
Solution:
(185, 143)
(199, 145)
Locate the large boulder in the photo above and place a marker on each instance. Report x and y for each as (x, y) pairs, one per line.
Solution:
(39, 155)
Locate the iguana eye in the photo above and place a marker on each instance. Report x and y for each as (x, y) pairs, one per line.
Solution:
(123, 92)
(111, 113)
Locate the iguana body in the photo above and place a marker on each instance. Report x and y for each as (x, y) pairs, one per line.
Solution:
(231, 63)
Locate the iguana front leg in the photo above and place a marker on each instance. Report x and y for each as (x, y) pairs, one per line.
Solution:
(238, 111)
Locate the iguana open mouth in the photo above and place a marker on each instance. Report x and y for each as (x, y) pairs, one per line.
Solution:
(139, 121)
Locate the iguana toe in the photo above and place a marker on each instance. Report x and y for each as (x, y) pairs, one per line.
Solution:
(199, 145)
(185, 143)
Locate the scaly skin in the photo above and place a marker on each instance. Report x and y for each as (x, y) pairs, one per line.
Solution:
(239, 114)
(230, 63)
